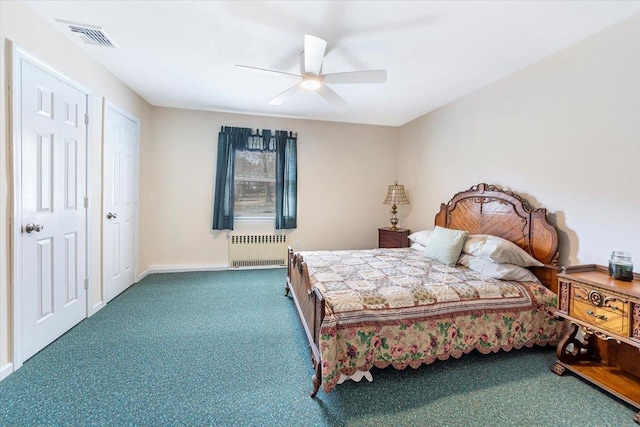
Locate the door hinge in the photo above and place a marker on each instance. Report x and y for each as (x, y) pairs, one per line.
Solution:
(86, 202)
(86, 283)
(86, 119)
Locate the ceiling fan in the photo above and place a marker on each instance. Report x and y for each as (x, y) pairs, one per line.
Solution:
(311, 77)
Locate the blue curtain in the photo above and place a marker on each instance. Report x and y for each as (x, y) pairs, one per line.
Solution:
(286, 180)
(231, 139)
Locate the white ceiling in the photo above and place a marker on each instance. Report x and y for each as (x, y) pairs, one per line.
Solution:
(182, 53)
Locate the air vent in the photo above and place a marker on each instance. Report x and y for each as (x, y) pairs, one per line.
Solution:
(89, 34)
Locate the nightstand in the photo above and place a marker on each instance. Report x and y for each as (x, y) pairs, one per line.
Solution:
(388, 238)
(607, 311)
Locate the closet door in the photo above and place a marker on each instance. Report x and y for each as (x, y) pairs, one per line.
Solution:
(120, 204)
(50, 174)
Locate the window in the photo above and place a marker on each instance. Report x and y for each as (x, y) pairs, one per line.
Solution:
(255, 185)
(256, 178)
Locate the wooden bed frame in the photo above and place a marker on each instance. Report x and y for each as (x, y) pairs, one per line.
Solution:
(483, 209)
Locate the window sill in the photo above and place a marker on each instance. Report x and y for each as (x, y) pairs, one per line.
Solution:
(254, 220)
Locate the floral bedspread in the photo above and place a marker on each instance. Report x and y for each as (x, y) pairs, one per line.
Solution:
(396, 307)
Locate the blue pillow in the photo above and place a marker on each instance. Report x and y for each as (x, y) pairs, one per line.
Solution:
(445, 245)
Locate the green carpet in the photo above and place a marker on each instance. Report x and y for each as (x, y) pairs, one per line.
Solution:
(227, 349)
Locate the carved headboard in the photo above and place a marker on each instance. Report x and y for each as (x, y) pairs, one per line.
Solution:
(488, 209)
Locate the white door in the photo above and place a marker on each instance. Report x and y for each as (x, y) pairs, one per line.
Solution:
(52, 146)
(120, 204)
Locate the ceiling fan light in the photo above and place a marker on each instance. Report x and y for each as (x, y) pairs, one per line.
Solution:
(310, 83)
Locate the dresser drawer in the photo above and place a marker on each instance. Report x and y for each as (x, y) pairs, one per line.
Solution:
(598, 308)
(388, 238)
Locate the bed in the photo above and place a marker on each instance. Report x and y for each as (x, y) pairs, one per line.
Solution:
(396, 307)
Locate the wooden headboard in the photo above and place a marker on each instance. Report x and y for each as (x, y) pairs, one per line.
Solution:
(488, 209)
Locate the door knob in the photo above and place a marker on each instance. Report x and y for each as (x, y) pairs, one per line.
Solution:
(29, 228)
(112, 215)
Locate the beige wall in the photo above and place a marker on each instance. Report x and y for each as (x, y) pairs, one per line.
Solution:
(343, 173)
(28, 30)
(565, 132)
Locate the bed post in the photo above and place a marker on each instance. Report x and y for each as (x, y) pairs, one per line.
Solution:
(289, 260)
(316, 379)
(548, 276)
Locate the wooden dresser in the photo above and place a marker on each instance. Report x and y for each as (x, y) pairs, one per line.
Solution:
(390, 238)
(607, 311)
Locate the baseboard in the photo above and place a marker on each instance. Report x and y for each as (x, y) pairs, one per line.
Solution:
(6, 370)
(143, 275)
(153, 269)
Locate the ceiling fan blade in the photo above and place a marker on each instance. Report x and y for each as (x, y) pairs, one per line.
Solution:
(314, 48)
(370, 76)
(265, 71)
(330, 96)
(285, 95)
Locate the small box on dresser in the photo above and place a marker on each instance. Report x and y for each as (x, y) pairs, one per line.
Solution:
(607, 311)
(390, 238)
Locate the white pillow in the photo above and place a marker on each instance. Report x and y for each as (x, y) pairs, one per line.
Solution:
(445, 245)
(421, 237)
(497, 271)
(417, 247)
(498, 250)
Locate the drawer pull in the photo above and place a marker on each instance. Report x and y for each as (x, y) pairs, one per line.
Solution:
(597, 316)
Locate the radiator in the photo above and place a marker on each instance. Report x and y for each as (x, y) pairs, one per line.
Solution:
(257, 250)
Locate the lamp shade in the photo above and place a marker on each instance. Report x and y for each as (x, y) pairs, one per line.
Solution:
(396, 195)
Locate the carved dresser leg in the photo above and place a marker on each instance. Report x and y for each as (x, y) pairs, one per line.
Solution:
(558, 369)
(581, 349)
